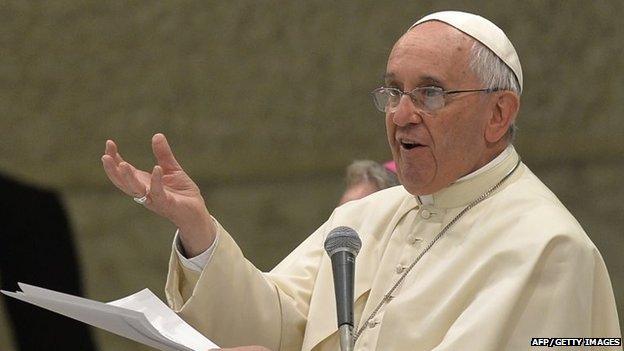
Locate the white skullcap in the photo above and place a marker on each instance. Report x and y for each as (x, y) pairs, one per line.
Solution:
(484, 31)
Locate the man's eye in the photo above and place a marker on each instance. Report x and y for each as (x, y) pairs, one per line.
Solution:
(393, 92)
(431, 92)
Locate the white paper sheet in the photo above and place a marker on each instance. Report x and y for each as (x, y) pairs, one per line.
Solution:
(164, 319)
(141, 317)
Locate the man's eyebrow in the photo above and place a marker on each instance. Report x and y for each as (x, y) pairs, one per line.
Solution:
(430, 80)
(390, 77)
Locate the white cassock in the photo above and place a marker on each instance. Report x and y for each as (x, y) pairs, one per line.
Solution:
(514, 267)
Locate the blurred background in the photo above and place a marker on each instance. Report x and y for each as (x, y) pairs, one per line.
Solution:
(265, 103)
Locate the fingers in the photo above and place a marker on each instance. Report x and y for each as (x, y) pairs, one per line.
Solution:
(113, 172)
(138, 183)
(122, 174)
(157, 191)
(133, 185)
(111, 150)
(111, 160)
(163, 153)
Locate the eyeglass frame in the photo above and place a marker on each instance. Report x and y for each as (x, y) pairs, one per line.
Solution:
(415, 101)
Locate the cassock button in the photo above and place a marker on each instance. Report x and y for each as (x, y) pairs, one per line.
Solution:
(412, 239)
(373, 323)
(400, 268)
(425, 214)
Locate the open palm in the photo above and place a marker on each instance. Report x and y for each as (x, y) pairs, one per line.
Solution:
(169, 191)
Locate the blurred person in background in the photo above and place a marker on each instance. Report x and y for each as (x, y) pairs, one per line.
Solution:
(365, 177)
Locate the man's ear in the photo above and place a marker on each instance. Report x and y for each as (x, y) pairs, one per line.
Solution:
(504, 113)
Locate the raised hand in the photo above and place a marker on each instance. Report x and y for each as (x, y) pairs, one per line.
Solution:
(168, 191)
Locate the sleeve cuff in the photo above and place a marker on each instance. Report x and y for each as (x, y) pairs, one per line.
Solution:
(198, 262)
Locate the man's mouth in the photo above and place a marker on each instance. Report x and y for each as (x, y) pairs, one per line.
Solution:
(409, 145)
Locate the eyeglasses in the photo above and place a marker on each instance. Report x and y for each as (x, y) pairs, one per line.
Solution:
(427, 99)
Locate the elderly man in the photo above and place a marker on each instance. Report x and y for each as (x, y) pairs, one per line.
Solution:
(473, 252)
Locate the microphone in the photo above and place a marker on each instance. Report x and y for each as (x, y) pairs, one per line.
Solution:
(342, 245)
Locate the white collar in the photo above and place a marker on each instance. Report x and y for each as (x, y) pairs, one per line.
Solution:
(428, 199)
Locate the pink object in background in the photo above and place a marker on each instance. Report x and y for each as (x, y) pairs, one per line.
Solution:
(391, 166)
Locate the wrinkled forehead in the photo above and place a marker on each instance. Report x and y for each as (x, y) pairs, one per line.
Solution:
(438, 30)
(433, 51)
(435, 35)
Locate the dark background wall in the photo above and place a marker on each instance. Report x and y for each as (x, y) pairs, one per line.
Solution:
(265, 103)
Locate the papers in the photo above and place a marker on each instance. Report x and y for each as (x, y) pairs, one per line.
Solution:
(141, 317)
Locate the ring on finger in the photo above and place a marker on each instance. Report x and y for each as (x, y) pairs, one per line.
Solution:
(143, 199)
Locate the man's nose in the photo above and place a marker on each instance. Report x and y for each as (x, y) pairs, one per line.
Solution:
(406, 112)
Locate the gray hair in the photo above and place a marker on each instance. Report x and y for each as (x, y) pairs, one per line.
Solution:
(494, 73)
(370, 171)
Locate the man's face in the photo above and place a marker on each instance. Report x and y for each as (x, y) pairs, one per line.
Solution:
(450, 140)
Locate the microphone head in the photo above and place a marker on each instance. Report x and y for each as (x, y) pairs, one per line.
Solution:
(342, 239)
